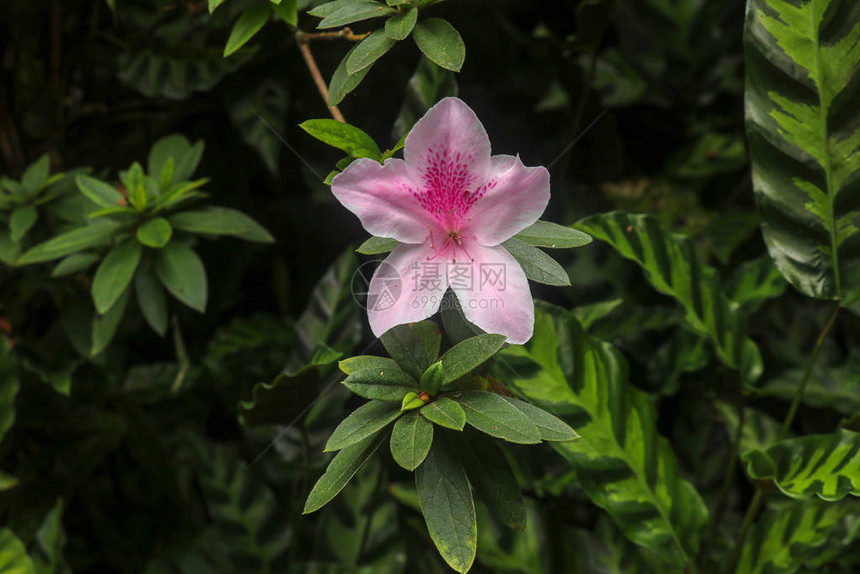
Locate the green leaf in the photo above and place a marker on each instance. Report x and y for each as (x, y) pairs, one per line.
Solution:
(835, 387)
(362, 362)
(248, 24)
(492, 414)
(411, 401)
(672, 266)
(21, 220)
(367, 52)
(362, 422)
(433, 377)
(537, 265)
(827, 466)
(441, 43)
(155, 232)
(389, 384)
(755, 282)
(114, 274)
(399, 26)
(36, 174)
(329, 8)
(9, 387)
(446, 501)
(93, 235)
(587, 315)
(9, 250)
(343, 136)
(553, 236)
(759, 432)
(50, 541)
(213, 5)
(445, 412)
(341, 470)
(99, 192)
(343, 83)
(407, 348)
(185, 157)
(430, 335)
(551, 428)
(411, 438)
(105, 326)
(220, 221)
(151, 298)
(801, 112)
(74, 263)
(621, 462)
(492, 478)
(426, 87)
(470, 354)
(377, 245)
(287, 10)
(350, 12)
(13, 554)
(180, 270)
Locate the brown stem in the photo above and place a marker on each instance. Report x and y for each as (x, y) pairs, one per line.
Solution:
(318, 80)
(345, 33)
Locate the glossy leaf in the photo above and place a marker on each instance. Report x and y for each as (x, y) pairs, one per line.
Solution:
(553, 236)
(389, 384)
(537, 265)
(445, 412)
(220, 221)
(411, 439)
(115, 273)
(470, 354)
(155, 233)
(361, 423)
(343, 136)
(93, 235)
(801, 111)
(448, 507)
(621, 462)
(672, 266)
(441, 43)
(248, 24)
(492, 414)
(182, 273)
(368, 51)
(827, 466)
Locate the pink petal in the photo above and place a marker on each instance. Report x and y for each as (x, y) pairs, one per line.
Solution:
(516, 197)
(447, 139)
(498, 300)
(381, 198)
(407, 287)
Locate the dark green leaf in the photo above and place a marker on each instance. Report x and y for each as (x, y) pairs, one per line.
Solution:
(343, 83)
(21, 220)
(537, 265)
(835, 387)
(367, 52)
(248, 24)
(48, 547)
(377, 245)
(260, 116)
(361, 423)
(180, 270)
(114, 274)
(470, 354)
(74, 263)
(362, 362)
(441, 43)
(105, 326)
(341, 470)
(350, 12)
(99, 192)
(492, 414)
(36, 174)
(9, 386)
(430, 335)
(399, 26)
(589, 314)
(551, 428)
(406, 347)
(445, 412)
(755, 282)
(93, 235)
(155, 233)
(220, 221)
(343, 136)
(553, 236)
(390, 384)
(151, 298)
(411, 438)
(185, 157)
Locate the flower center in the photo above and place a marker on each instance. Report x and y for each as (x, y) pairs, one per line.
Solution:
(448, 248)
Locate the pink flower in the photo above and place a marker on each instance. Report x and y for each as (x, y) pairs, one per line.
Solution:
(450, 205)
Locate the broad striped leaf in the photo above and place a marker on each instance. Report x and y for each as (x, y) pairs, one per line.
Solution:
(621, 462)
(827, 466)
(672, 266)
(802, 110)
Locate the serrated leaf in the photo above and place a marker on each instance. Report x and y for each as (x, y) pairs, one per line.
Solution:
(361, 423)
(470, 354)
(445, 412)
(399, 26)
(151, 298)
(441, 43)
(621, 462)
(446, 501)
(115, 273)
(411, 438)
(21, 220)
(341, 470)
(389, 384)
(537, 265)
(248, 24)
(368, 51)
(93, 235)
(347, 13)
(551, 428)
(801, 115)
(377, 245)
(343, 136)
(827, 466)
(220, 221)
(672, 266)
(182, 273)
(553, 236)
(492, 414)
(155, 232)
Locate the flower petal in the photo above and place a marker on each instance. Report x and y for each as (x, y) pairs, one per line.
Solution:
(407, 287)
(449, 129)
(498, 300)
(381, 198)
(516, 197)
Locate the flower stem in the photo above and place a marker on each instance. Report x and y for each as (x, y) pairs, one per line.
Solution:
(756, 502)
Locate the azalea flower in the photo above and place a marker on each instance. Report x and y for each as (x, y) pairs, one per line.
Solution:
(450, 204)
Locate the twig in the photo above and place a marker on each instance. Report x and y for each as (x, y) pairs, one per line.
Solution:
(345, 33)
